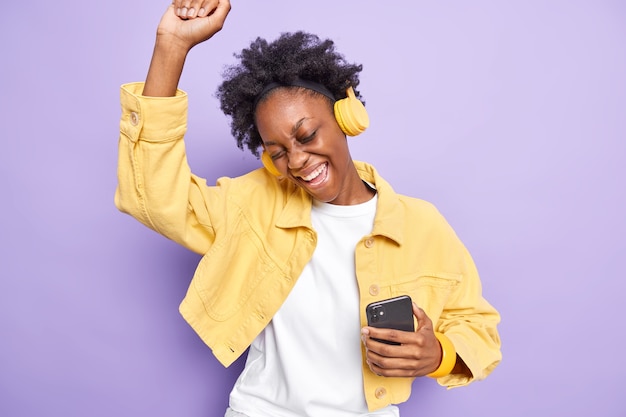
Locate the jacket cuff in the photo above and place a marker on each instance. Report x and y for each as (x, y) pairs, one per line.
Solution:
(476, 365)
(152, 119)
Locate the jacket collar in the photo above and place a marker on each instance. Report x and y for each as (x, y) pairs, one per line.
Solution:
(297, 210)
(389, 220)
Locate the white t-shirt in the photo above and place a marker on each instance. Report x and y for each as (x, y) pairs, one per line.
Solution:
(307, 361)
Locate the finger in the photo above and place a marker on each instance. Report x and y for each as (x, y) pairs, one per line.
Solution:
(219, 15)
(199, 8)
(407, 344)
(206, 7)
(187, 9)
(395, 367)
(176, 4)
(182, 7)
(396, 372)
(399, 337)
(423, 321)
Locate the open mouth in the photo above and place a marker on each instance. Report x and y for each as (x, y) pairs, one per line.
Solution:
(318, 176)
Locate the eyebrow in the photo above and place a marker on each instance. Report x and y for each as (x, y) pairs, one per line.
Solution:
(294, 129)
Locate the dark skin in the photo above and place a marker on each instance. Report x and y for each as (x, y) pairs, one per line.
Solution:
(301, 135)
(185, 24)
(418, 354)
(308, 147)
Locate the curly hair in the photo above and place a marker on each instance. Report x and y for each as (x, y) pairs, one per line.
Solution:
(291, 56)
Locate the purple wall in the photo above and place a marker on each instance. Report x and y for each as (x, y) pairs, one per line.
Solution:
(510, 118)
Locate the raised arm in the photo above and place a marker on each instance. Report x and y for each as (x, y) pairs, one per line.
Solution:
(185, 24)
(155, 183)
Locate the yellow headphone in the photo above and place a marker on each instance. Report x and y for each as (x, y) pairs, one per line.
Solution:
(349, 112)
(269, 164)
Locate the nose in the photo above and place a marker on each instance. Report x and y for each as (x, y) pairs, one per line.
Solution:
(297, 158)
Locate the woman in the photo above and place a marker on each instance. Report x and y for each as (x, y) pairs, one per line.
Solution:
(293, 252)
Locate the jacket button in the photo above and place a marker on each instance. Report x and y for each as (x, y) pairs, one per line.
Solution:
(374, 289)
(380, 393)
(369, 242)
(134, 118)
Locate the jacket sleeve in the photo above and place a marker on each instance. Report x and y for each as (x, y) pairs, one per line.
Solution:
(155, 183)
(470, 322)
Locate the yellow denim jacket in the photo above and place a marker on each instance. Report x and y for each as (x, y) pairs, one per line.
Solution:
(256, 236)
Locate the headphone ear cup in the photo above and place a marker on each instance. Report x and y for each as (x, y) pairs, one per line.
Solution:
(351, 114)
(266, 159)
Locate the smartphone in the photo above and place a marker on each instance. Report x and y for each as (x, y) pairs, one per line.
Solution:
(393, 313)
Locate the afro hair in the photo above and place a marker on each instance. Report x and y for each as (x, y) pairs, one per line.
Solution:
(291, 56)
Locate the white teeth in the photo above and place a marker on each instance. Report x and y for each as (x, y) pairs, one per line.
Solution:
(315, 173)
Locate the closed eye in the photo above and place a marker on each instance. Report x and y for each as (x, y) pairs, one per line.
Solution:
(308, 138)
(277, 155)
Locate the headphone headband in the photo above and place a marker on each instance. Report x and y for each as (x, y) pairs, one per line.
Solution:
(297, 82)
(349, 112)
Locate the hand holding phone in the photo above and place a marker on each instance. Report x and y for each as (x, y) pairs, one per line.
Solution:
(393, 313)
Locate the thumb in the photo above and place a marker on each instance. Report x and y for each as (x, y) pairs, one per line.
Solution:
(423, 321)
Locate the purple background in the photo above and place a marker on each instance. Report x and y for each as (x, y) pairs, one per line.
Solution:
(511, 118)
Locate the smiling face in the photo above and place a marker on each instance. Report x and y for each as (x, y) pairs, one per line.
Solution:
(302, 137)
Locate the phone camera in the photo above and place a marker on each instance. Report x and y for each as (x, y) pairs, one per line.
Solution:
(378, 314)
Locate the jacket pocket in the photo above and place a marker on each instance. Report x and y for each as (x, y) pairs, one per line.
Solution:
(236, 268)
(430, 291)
